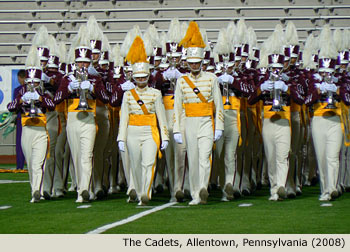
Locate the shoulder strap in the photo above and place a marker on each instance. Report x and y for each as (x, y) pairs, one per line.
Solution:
(195, 89)
(139, 101)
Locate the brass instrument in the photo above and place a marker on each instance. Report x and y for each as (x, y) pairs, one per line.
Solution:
(33, 110)
(82, 75)
(225, 89)
(172, 63)
(330, 99)
(277, 101)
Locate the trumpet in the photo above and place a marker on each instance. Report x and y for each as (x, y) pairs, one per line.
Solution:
(82, 75)
(225, 89)
(330, 99)
(277, 101)
(33, 110)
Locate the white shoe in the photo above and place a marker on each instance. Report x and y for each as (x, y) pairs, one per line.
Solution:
(72, 188)
(224, 199)
(172, 200)
(113, 189)
(194, 202)
(274, 197)
(79, 199)
(325, 197)
(58, 193)
(92, 196)
(32, 200)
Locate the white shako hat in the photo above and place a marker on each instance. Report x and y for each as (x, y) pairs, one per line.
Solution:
(137, 57)
(194, 43)
(33, 68)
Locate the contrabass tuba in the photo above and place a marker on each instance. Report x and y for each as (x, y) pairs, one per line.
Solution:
(82, 75)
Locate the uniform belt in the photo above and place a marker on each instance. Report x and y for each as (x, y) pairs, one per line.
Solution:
(319, 109)
(36, 121)
(143, 120)
(235, 103)
(199, 109)
(168, 102)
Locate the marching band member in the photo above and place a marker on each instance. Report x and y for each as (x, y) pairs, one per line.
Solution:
(53, 179)
(276, 131)
(81, 90)
(33, 103)
(141, 109)
(328, 121)
(199, 92)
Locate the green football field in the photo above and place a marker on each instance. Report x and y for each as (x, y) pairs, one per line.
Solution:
(61, 216)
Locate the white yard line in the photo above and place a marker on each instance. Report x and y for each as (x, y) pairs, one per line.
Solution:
(130, 219)
(12, 181)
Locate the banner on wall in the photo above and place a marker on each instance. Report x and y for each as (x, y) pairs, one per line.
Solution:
(8, 83)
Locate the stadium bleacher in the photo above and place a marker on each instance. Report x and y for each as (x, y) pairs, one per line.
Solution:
(19, 20)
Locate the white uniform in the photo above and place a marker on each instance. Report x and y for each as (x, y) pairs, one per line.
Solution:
(199, 125)
(139, 131)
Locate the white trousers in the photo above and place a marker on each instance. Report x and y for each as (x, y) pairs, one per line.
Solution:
(327, 137)
(277, 139)
(34, 146)
(175, 154)
(241, 152)
(296, 145)
(225, 151)
(199, 138)
(102, 122)
(143, 156)
(60, 152)
(81, 133)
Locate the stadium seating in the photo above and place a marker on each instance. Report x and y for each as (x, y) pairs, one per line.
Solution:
(19, 20)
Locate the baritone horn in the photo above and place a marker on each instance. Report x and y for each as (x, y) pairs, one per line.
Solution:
(82, 75)
(33, 110)
(330, 99)
(277, 101)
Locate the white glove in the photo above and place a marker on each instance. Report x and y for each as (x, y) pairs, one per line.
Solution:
(281, 85)
(164, 145)
(266, 86)
(331, 87)
(317, 76)
(321, 86)
(87, 85)
(217, 135)
(171, 74)
(73, 85)
(35, 96)
(27, 97)
(128, 85)
(121, 146)
(92, 71)
(45, 78)
(285, 77)
(226, 78)
(178, 138)
(335, 79)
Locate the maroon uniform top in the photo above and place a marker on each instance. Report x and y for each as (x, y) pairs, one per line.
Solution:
(267, 97)
(45, 104)
(99, 90)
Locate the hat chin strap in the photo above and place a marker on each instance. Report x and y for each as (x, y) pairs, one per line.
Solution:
(195, 70)
(141, 82)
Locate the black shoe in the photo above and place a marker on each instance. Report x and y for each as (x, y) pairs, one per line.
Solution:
(259, 186)
(36, 196)
(133, 195)
(237, 194)
(229, 191)
(47, 195)
(160, 188)
(246, 192)
(314, 181)
(85, 195)
(179, 195)
(100, 194)
(203, 194)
